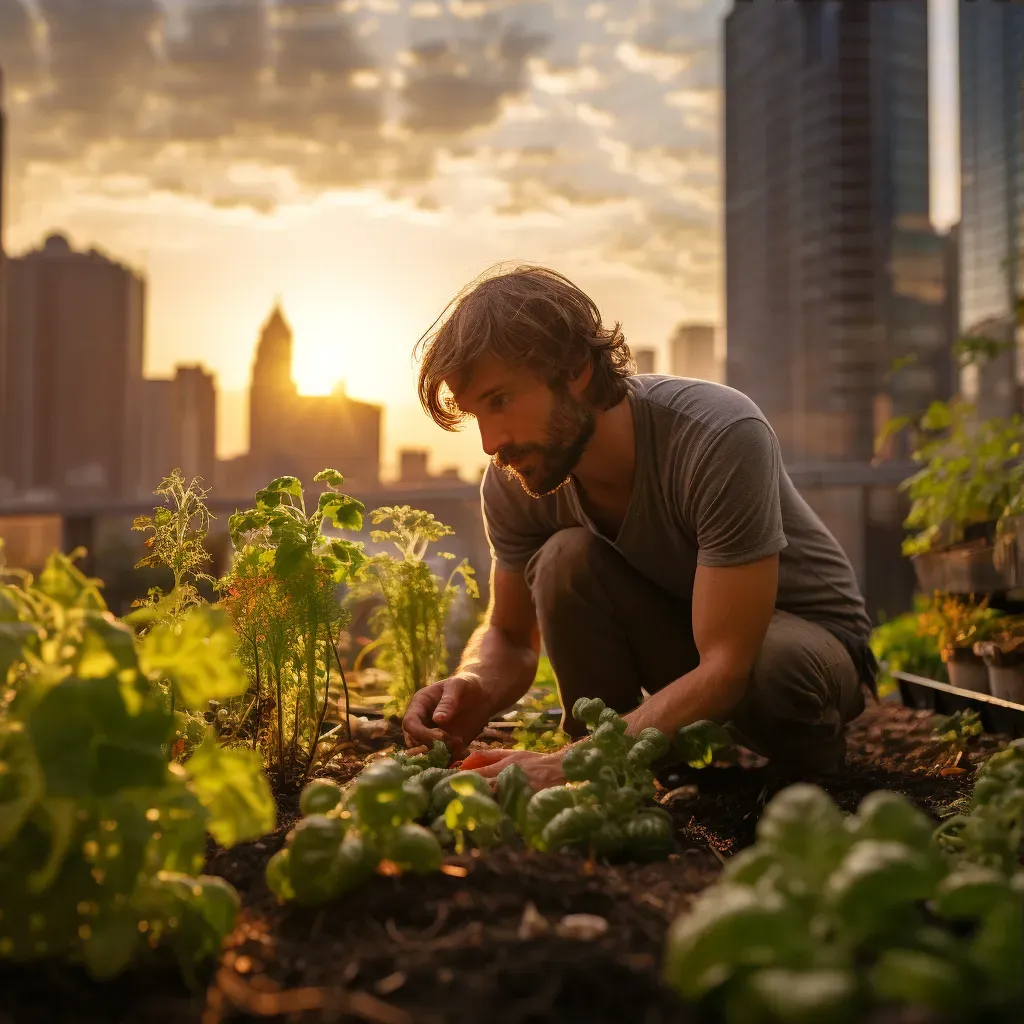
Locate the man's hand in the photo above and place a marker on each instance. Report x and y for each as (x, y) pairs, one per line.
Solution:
(542, 770)
(454, 710)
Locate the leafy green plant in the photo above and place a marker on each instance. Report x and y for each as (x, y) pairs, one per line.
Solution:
(991, 832)
(604, 809)
(954, 624)
(410, 621)
(903, 644)
(102, 837)
(178, 544)
(956, 730)
(971, 471)
(283, 595)
(826, 918)
(375, 823)
(352, 832)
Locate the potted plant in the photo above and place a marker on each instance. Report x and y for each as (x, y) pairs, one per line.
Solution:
(971, 473)
(1003, 655)
(957, 626)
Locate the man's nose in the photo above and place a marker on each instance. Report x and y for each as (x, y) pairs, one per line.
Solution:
(494, 437)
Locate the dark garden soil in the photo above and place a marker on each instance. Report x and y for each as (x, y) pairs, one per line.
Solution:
(496, 938)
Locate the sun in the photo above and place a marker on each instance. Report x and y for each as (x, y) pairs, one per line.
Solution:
(348, 349)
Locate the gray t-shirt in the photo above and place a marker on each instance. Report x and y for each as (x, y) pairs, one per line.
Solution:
(709, 489)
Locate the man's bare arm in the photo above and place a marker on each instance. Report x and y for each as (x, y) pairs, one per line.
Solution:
(732, 607)
(502, 653)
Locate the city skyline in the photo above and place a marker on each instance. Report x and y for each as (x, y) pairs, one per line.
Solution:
(214, 270)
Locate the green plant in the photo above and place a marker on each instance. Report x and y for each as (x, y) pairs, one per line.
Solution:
(410, 621)
(282, 594)
(365, 827)
(177, 545)
(971, 472)
(991, 833)
(375, 823)
(956, 730)
(827, 918)
(901, 645)
(954, 624)
(102, 837)
(604, 810)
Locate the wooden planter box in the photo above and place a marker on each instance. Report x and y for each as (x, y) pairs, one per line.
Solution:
(969, 568)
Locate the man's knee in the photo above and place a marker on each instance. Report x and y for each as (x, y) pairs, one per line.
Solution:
(565, 559)
(804, 676)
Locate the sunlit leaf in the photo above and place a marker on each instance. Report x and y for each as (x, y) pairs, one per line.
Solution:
(230, 784)
(197, 655)
(341, 511)
(331, 477)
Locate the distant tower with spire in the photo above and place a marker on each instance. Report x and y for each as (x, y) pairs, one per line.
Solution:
(273, 392)
(298, 435)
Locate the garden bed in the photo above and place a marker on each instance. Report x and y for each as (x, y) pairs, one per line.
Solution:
(467, 945)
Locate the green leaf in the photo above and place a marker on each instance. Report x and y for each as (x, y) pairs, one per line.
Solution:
(730, 927)
(341, 511)
(197, 655)
(331, 477)
(231, 785)
(286, 485)
(13, 637)
(292, 557)
(805, 997)
(917, 978)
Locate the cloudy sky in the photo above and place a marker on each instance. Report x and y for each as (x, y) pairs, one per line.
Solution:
(362, 160)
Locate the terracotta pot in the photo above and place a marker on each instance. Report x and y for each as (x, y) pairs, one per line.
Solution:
(967, 671)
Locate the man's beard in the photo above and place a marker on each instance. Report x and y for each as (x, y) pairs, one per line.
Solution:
(568, 433)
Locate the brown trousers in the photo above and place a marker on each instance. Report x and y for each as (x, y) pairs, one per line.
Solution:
(608, 630)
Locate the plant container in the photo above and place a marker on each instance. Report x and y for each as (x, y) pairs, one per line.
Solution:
(1008, 557)
(967, 671)
(968, 568)
(1005, 663)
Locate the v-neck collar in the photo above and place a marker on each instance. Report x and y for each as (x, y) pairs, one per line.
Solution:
(639, 441)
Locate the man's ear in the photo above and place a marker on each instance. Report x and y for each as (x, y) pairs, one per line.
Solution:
(580, 378)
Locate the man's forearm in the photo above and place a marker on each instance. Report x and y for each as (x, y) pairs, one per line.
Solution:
(711, 691)
(505, 669)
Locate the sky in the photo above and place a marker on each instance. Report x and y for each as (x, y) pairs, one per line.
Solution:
(361, 161)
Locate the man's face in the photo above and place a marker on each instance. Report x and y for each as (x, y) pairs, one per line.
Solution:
(532, 432)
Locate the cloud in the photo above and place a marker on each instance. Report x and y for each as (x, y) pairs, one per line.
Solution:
(518, 106)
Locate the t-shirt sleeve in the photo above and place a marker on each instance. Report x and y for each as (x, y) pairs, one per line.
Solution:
(515, 528)
(732, 496)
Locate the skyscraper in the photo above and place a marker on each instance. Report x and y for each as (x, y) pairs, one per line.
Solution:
(693, 352)
(833, 271)
(73, 377)
(298, 435)
(645, 359)
(179, 430)
(991, 192)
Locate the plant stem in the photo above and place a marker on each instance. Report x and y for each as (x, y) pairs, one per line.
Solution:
(344, 685)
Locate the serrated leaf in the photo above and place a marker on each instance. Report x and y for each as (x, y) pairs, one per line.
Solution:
(230, 784)
(197, 655)
(13, 636)
(292, 555)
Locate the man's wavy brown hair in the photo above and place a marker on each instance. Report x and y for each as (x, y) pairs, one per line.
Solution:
(529, 317)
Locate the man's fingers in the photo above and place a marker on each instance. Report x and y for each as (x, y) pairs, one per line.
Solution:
(448, 704)
(482, 757)
(493, 770)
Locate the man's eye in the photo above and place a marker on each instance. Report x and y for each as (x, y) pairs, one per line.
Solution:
(499, 401)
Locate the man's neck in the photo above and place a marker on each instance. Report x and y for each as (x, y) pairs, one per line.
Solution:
(609, 463)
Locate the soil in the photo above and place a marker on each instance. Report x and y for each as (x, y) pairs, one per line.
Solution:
(486, 939)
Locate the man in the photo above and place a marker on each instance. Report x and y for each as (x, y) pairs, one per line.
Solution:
(644, 529)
